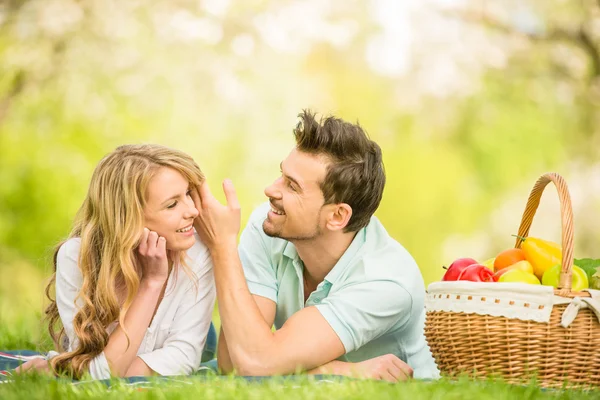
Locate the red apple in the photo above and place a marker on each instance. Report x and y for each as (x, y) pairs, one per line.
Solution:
(477, 273)
(454, 270)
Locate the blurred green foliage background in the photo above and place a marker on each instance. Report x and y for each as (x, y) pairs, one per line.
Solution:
(470, 101)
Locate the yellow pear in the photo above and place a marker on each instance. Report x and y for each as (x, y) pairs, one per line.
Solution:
(523, 265)
(518, 275)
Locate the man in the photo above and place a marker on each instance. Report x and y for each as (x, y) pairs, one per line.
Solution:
(344, 296)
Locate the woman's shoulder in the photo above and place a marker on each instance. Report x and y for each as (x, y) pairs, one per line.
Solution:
(69, 249)
(68, 256)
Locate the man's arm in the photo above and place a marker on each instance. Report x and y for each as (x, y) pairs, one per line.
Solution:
(268, 309)
(305, 341)
(387, 367)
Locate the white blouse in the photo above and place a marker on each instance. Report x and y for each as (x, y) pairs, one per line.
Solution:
(174, 341)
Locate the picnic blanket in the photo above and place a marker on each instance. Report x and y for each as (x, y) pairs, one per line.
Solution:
(9, 360)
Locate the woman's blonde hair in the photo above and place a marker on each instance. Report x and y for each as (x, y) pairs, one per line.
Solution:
(110, 223)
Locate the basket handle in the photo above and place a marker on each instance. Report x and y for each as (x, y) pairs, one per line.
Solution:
(566, 212)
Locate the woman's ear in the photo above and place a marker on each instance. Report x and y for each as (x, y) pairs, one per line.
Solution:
(338, 216)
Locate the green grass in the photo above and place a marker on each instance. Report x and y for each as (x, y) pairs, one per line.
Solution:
(24, 335)
(298, 388)
(21, 328)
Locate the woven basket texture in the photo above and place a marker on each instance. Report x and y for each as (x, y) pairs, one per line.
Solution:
(520, 351)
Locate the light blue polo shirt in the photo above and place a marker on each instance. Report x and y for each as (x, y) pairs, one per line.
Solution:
(373, 298)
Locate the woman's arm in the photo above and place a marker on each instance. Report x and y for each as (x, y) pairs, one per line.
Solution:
(118, 355)
(139, 368)
(181, 351)
(121, 352)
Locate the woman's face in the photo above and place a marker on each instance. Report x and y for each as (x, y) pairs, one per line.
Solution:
(169, 210)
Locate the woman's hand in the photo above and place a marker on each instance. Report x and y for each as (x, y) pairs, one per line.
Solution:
(37, 365)
(153, 256)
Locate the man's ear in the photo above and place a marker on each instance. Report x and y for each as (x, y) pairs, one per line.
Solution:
(338, 216)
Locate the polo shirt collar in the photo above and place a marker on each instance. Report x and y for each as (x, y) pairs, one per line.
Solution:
(290, 252)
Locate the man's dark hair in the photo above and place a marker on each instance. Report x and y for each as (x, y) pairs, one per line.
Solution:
(355, 174)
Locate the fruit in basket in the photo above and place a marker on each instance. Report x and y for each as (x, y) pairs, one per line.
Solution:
(579, 280)
(542, 254)
(523, 265)
(489, 263)
(507, 258)
(592, 269)
(477, 273)
(520, 276)
(455, 269)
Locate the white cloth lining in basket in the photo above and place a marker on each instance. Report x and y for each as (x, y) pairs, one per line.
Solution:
(511, 300)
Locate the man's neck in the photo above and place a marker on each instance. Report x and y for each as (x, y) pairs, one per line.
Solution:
(320, 255)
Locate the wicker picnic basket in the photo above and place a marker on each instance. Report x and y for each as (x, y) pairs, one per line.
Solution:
(482, 342)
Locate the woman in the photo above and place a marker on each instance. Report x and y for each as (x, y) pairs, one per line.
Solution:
(134, 285)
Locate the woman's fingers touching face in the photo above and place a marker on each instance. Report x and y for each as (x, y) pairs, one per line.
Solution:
(152, 244)
(144, 241)
(153, 256)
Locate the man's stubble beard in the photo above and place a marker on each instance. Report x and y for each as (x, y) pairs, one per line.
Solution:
(316, 232)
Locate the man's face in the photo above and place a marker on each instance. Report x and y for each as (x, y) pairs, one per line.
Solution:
(296, 198)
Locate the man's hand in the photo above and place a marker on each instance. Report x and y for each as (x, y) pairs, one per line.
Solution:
(217, 223)
(387, 367)
(37, 365)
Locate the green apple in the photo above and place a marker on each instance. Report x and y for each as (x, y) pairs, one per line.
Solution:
(579, 278)
(518, 275)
